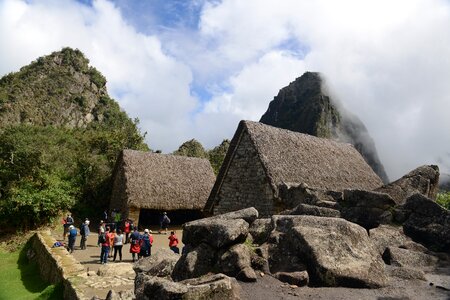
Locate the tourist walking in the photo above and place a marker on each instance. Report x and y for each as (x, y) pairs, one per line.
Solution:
(72, 237)
(173, 242)
(164, 222)
(67, 222)
(117, 219)
(101, 230)
(134, 243)
(146, 242)
(112, 235)
(104, 239)
(127, 230)
(84, 232)
(118, 244)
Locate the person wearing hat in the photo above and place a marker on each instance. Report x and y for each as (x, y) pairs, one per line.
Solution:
(164, 222)
(84, 232)
(72, 237)
(146, 244)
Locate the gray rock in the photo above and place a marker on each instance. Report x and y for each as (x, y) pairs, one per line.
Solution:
(387, 236)
(367, 208)
(120, 269)
(407, 258)
(214, 287)
(217, 287)
(247, 274)
(215, 232)
(260, 263)
(260, 230)
(428, 222)
(405, 273)
(294, 194)
(248, 214)
(233, 260)
(195, 263)
(153, 287)
(298, 278)
(337, 252)
(161, 263)
(423, 180)
(312, 210)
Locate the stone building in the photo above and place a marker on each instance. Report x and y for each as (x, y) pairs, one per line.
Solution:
(262, 158)
(145, 184)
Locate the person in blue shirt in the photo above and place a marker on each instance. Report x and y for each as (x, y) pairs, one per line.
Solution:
(72, 237)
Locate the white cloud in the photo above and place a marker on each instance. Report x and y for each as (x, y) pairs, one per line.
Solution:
(148, 83)
(387, 61)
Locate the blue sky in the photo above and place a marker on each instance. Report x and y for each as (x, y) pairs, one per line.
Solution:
(193, 69)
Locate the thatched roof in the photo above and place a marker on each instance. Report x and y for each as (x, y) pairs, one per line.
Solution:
(292, 157)
(166, 182)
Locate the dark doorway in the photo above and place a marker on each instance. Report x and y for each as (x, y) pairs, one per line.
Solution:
(150, 217)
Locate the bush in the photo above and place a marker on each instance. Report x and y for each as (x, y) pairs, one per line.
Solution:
(443, 199)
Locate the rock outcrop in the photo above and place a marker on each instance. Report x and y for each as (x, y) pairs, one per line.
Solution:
(423, 180)
(305, 106)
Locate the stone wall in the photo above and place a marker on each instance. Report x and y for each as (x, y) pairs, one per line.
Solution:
(245, 183)
(118, 194)
(56, 265)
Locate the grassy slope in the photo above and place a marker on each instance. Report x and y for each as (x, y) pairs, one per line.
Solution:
(20, 279)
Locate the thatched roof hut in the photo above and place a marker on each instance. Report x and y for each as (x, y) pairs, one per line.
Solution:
(262, 157)
(145, 180)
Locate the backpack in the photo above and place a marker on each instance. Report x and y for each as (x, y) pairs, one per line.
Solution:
(102, 238)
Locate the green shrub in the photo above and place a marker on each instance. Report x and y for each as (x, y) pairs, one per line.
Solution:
(443, 199)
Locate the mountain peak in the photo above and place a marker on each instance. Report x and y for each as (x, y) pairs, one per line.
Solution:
(304, 106)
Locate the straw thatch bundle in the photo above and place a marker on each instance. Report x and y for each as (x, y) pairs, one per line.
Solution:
(293, 157)
(161, 182)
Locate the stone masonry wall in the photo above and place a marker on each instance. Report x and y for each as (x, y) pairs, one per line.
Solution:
(245, 183)
(57, 265)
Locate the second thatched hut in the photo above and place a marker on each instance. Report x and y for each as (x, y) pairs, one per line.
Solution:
(262, 158)
(145, 184)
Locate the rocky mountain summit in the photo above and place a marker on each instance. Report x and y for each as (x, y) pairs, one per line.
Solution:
(60, 89)
(305, 106)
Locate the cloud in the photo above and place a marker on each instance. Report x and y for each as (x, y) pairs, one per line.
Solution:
(386, 61)
(147, 82)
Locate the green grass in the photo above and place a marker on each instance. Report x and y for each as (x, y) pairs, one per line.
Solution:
(20, 278)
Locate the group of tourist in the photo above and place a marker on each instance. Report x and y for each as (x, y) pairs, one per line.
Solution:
(112, 237)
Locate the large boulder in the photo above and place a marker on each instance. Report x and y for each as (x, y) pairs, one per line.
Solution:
(423, 180)
(161, 263)
(260, 230)
(195, 263)
(215, 287)
(234, 259)
(249, 214)
(386, 236)
(367, 208)
(299, 278)
(312, 210)
(427, 222)
(215, 232)
(336, 252)
(407, 258)
(294, 194)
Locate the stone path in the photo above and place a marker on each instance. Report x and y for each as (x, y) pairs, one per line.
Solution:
(119, 275)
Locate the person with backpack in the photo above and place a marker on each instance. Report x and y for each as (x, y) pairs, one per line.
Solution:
(146, 242)
(135, 247)
(84, 232)
(72, 237)
(67, 222)
(104, 239)
(164, 222)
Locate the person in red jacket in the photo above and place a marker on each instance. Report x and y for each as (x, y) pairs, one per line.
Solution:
(173, 242)
(105, 241)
